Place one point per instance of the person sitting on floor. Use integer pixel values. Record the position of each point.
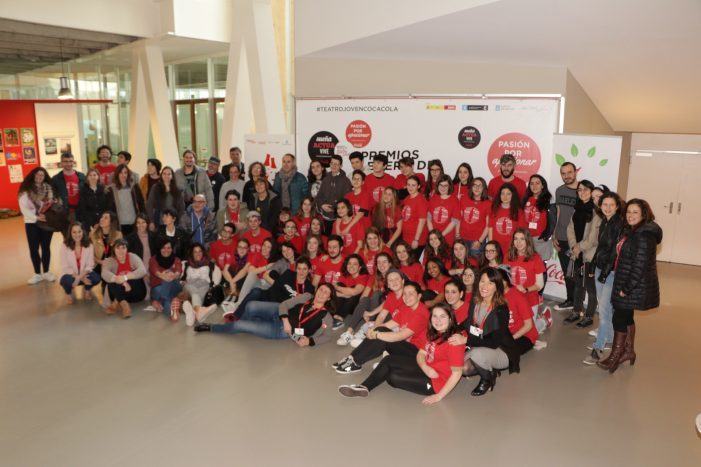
(124, 274)
(78, 261)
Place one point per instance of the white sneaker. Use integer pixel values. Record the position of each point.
(357, 340)
(540, 345)
(149, 308)
(204, 312)
(607, 346)
(35, 279)
(229, 308)
(48, 277)
(594, 333)
(344, 339)
(189, 313)
(374, 365)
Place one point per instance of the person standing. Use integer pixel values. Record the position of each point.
(536, 209)
(234, 183)
(316, 173)
(412, 224)
(635, 284)
(378, 180)
(124, 158)
(151, 178)
(334, 186)
(104, 164)
(506, 216)
(406, 169)
(255, 171)
(35, 197)
(290, 185)
(444, 210)
(126, 198)
(216, 179)
(94, 200)
(235, 155)
(507, 166)
(193, 180)
(67, 184)
(462, 182)
(266, 203)
(165, 194)
(565, 199)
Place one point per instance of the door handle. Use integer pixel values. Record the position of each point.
(679, 208)
(671, 206)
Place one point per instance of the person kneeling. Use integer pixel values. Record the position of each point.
(304, 319)
(434, 372)
(124, 274)
(78, 261)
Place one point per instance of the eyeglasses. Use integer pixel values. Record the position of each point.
(443, 185)
(489, 250)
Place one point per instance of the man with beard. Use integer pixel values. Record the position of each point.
(193, 180)
(290, 185)
(565, 199)
(329, 268)
(507, 165)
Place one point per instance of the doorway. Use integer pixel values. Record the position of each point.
(196, 127)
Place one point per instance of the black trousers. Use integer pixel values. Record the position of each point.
(401, 372)
(136, 294)
(373, 348)
(126, 229)
(39, 241)
(585, 285)
(622, 318)
(564, 259)
(346, 305)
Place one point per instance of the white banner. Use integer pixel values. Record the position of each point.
(268, 150)
(597, 159)
(476, 131)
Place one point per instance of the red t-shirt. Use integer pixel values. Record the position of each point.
(376, 185)
(442, 212)
(414, 209)
(442, 357)
(393, 304)
(315, 263)
(232, 216)
(416, 320)
(257, 260)
(351, 239)
(503, 227)
(438, 284)
(535, 219)
(525, 272)
(414, 272)
(106, 172)
(303, 224)
(496, 183)
(369, 258)
(223, 254)
(73, 189)
(361, 201)
(350, 281)
(256, 241)
(329, 271)
(473, 218)
(391, 220)
(123, 268)
(400, 181)
(462, 311)
(461, 191)
(296, 242)
(519, 312)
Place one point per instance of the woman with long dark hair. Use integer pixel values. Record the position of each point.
(435, 278)
(201, 285)
(142, 241)
(165, 194)
(304, 216)
(493, 255)
(474, 215)
(126, 198)
(635, 284)
(527, 270)
(349, 288)
(536, 204)
(437, 248)
(255, 171)
(344, 226)
(165, 269)
(506, 216)
(435, 172)
(78, 261)
(94, 200)
(412, 225)
(408, 263)
(35, 198)
(462, 181)
(315, 174)
(443, 210)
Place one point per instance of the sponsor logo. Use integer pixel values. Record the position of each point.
(505, 226)
(321, 146)
(358, 133)
(376, 193)
(440, 215)
(470, 215)
(471, 107)
(523, 148)
(469, 137)
(518, 275)
(555, 274)
(434, 107)
(406, 213)
(449, 107)
(531, 212)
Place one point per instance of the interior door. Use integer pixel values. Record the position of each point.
(687, 249)
(656, 179)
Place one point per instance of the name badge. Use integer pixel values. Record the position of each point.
(299, 331)
(475, 331)
(532, 225)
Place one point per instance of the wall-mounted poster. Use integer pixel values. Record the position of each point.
(50, 146)
(11, 136)
(15, 172)
(27, 136)
(64, 145)
(1, 141)
(12, 156)
(2, 159)
(29, 155)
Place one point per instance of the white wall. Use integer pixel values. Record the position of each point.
(581, 115)
(60, 120)
(203, 19)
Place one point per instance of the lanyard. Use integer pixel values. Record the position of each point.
(299, 288)
(303, 319)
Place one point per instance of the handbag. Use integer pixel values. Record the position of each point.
(56, 216)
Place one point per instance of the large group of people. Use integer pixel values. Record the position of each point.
(438, 277)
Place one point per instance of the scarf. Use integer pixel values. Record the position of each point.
(583, 213)
(40, 195)
(166, 262)
(286, 179)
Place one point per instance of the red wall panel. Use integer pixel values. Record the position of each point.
(15, 114)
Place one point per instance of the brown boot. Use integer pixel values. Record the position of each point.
(97, 293)
(126, 309)
(112, 309)
(629, 354)
(619, 343)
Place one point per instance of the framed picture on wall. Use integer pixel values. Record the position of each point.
(2, 159)
(11, 136)
(27, 136)
(12, 156)
(65, 145)
(50, 146)
(29, 155)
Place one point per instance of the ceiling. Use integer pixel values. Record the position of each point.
(28, 46)
(638, 60)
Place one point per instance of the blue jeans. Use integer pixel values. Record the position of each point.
(260, 319)
(475, 253)
(164, 293)
(67, 280)
(252, 296)
(605, 309)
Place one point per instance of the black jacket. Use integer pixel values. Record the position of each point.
(134, 244)
(636, 272)
(92, 204)
(59, 185)
(605, 256)
(495, 334)
(216, 180)
(285, 287)
(269, 210)
(181, 241)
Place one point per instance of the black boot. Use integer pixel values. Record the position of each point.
(585, 323)
(204, 327)
(574, 316)
(486, 381)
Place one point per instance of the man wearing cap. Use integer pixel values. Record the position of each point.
(216, 179)
(507, 166)
(255, 234)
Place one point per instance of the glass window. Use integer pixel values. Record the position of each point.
(203, 133)
(191, 81)
(220, 65)
(182, 112)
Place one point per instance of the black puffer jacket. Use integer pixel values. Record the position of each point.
(636, 272)
(605, 256)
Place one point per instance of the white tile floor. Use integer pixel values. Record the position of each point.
(78, 388)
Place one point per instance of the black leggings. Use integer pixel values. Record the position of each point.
(346, 305)
(622, 318)
(136, 294)
(39, 239)
(373, 348)
(401, 372)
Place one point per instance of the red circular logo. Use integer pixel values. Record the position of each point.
(524, 149)
(440, 215)
(358, 133)
(505, 226)
(406, 213)
(518, 275)
(470, 215)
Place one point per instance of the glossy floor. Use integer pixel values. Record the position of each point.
(78, 388)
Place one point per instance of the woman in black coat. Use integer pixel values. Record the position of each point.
(635, 284)
(94, 200)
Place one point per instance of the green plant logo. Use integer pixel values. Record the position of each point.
(574, 152)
